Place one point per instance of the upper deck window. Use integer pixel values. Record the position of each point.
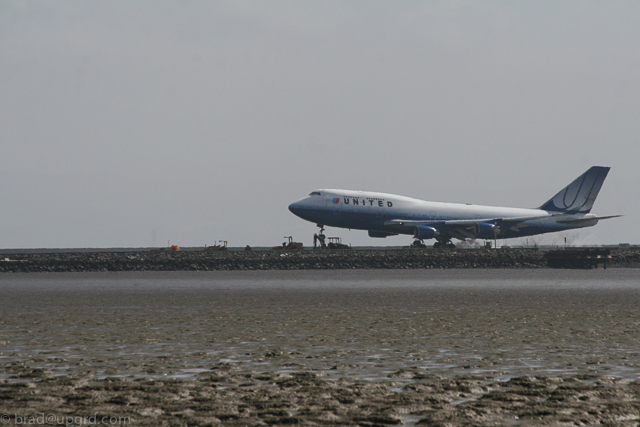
(314, 193)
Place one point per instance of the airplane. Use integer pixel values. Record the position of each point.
(384, 215)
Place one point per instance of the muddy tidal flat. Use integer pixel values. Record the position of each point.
(497, 347)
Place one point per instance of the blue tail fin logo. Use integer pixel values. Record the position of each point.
(578, 197)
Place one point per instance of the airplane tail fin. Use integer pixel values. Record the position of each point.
(578, 197)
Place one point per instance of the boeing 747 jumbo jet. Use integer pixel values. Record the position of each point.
(385, 215)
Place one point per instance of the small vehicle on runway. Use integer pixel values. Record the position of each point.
(289, 246)
(336, 243)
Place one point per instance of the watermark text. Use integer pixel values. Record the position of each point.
(43, 419)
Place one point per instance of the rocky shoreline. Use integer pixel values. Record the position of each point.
(305, 398)
(288, 260)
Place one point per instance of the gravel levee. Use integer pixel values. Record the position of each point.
(293, 260)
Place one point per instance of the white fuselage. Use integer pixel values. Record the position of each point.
(373, 211)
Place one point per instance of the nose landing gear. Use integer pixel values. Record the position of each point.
(319, 239)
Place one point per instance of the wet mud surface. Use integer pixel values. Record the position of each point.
(363, 348)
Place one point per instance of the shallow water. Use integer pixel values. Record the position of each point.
(371, 324)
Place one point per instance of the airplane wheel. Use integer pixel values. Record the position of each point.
(450, 245)
(436, 245)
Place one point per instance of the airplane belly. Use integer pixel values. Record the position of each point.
(348, 219)
(309, 214)
(331, 217)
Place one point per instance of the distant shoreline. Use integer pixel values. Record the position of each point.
(10, 251)
(292, 260)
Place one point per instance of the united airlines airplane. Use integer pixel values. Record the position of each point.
(385, 215)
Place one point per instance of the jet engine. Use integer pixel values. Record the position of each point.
(485, 230)
(374, 233)
(424, 232)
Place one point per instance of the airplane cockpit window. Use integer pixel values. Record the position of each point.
(314, 193)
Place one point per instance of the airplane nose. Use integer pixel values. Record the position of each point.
(293, 208)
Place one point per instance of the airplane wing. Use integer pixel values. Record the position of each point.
(586, 220)
(464, 222)
(466, 228)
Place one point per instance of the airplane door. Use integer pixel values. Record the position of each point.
(335, 202)
(378, 208)
(367, 207)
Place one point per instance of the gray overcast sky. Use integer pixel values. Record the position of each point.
(131, 123)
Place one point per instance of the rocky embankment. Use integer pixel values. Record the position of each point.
(305, 398)
(288, 260)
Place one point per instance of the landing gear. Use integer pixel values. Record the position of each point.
(444, 244)
(319, 238)
(418, 244)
